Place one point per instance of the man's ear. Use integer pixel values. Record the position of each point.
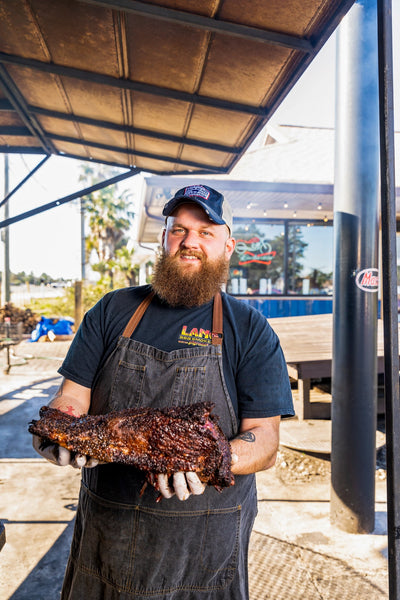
(230, 247)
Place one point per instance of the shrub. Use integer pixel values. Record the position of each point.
(64, 306)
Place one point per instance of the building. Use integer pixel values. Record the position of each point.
(281, 193)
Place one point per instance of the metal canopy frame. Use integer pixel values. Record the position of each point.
(65, 199)
(23, 181)
(127, 84)
(389, 286)
(40, 124)
(207, 23)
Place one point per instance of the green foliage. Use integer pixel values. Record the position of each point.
(64, 306)
(124, 262)
(109, 221)
(319, 279)
(22, 277)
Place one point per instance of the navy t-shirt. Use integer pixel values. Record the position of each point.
(254, 366)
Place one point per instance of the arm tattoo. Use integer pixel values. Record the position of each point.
(247, 436)
(65, 405)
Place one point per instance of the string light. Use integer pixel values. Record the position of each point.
(319, 206)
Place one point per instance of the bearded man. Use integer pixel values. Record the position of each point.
(175, 342)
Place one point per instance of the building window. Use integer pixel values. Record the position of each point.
(257, 265)
(310, 258)
(281, 258)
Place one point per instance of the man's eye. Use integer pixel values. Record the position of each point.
(206, 233)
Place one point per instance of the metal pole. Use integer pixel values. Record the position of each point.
(286, 259)
(78, 304)
(356, 231)
(389, 296)
(24, 180)
(5, 288)
(60, 201)
(83, 240)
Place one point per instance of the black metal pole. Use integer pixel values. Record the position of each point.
(24, 180)
(286, 259)
(355, 303)
(60, 201)
(389, 289)
(6, 291)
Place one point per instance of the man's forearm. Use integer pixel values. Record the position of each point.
(70, 399)
(256, 448)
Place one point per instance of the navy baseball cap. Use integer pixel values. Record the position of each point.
(211, 201)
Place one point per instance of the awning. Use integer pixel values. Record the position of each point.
(168, 87)
(250, 200)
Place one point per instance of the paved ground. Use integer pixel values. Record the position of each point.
(295, 552)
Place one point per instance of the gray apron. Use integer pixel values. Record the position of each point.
(128, 546)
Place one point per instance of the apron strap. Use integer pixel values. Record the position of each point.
(137, 315)
(217, 323)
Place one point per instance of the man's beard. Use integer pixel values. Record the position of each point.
(181, 287)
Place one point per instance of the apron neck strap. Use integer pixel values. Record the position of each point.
(137, 315)
(217, 322)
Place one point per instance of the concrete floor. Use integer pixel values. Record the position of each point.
(295, 552)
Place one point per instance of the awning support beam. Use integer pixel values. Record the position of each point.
(128, 84)
(207, 23)
(134, 130)
(135, 152)
(389, 291)
(24, 180)
(14, 96)
(69, 198)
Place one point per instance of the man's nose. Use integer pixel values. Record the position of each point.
(190, 240)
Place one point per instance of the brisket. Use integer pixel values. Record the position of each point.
(156, 441)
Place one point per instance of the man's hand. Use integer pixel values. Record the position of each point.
(73, 399)
(61, 456)
(183, 484)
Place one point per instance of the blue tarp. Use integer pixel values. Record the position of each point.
(57, 326)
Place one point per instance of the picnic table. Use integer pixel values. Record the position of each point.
(307, 345)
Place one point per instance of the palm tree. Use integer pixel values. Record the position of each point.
(109, 219)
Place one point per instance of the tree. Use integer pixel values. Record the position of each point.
(319, 279)
(109, 219)
(124, 262)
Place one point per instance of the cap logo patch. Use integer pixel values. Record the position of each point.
(197, 190)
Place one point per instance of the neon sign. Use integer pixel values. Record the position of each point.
(254, 251)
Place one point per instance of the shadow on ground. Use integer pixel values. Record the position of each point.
(45, 580)
(22, 406)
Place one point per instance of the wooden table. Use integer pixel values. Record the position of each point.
(307, 345)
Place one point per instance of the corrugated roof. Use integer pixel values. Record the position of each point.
(170, 86)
